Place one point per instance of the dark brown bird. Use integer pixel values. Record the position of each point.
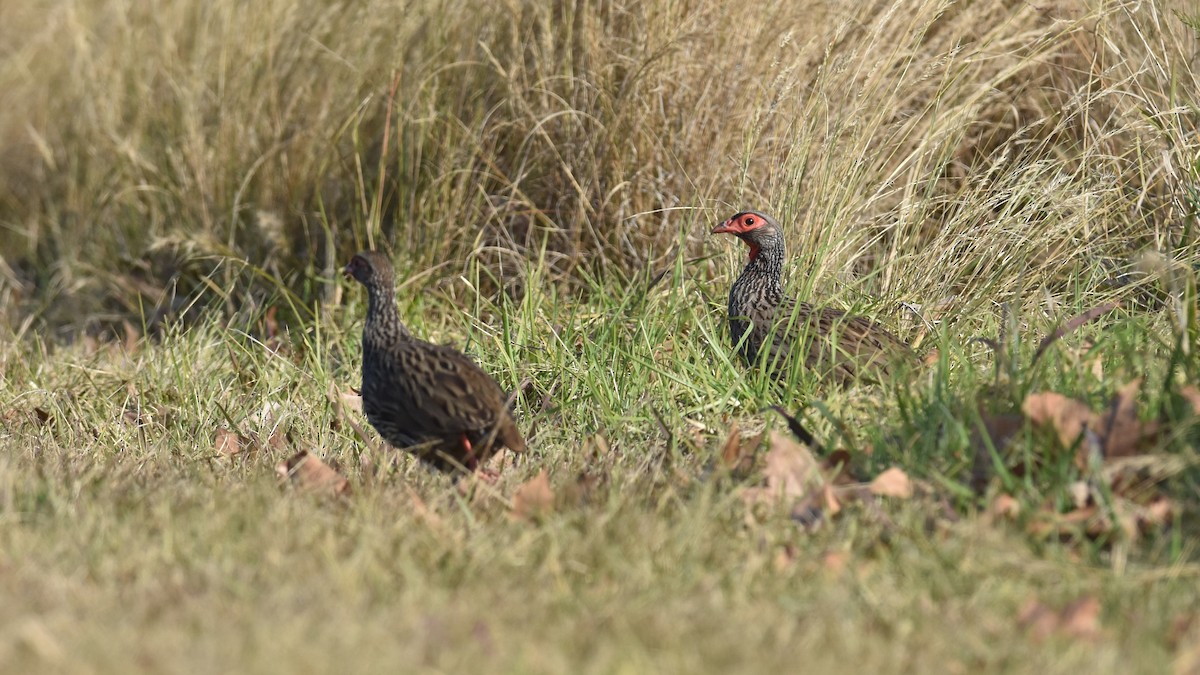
(431, 400)
(761, 317)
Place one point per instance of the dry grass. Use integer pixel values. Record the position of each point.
(1027, 145)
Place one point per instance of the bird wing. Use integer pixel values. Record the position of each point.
(832, 340)
(458, 394)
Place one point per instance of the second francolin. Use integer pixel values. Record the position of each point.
(763, 319)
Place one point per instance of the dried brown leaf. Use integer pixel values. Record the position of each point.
(737, 453)
(1124, 434)
(794, 480)
(277, 441)
(227, 443)
(1000, 430)
(1078, 620)
(271, 329)
(132, 337)
(792, 471)
(731, 448)
(892, 483)
(533, 498)
(1081, 619)
(1083, 520)
(351, 400)
(307, 472)
(1005, 506)
(1115, 433)
(133, 417)
(1159, 512)
(835, 561)
(1067, 416)
(785, 557)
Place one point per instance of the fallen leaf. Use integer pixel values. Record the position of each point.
(1086, 520)
(829, 495)
(276, 441)
(599, 446)
(731, 449)
(133, 417)
(351, 400)
(533, 498)
(1079, 620)
(835, 561)
(791, 471)
(1068, 416)
(227, 443)
(1113, 434)
(306, 471)
(1080, 493)
(271, 329)
(1158, 512)
(892, 483)
(1005, 506)
(793, 478)
(583, 489)
(1125, 434)
(39, 416)
(1000, 430)
(132, 337)
(737, 453)
(785, 557)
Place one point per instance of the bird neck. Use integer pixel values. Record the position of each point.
(766, 262)
(383, 318)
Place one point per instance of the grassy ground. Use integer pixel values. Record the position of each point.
(130, 541)
(545, 176)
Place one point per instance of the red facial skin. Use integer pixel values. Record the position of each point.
(741, 224)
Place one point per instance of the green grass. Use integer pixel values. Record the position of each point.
(128, 546)
(545, 176)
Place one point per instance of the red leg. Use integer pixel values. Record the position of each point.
(472, 461)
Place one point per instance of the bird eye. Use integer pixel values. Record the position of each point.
(750, 220)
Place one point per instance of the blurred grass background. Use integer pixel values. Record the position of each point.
(163, 155)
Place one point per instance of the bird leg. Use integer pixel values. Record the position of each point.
(472, 461)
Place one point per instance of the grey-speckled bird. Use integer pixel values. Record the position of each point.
(431, 400)
(834, 343)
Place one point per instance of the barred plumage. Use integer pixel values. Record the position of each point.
(836, 344)
(431, 400)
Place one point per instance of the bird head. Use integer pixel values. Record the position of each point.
(369, 268)
(754, 228)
